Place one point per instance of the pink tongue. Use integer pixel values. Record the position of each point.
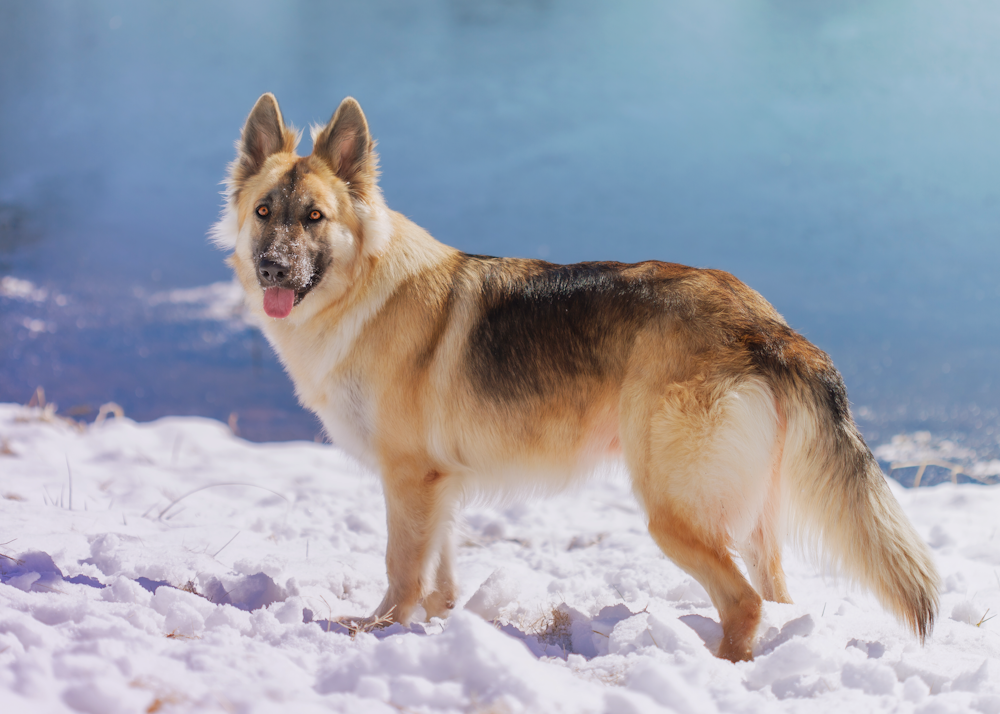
(278, 302)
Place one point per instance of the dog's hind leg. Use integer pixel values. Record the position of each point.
(762, 550)
(439, 602)
(700, 456)
(762, 555)
(419, 503)
(707, 559)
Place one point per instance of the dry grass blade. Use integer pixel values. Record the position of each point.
(111, 409)
(214, 485)
(552, 627)
(69, 473)
(38, 398)
(16, 561)
(557, 629)
(175, 635)
(216, 553)
(367, 624)
(38, 409)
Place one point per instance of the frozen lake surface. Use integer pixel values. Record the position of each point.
(841, 159)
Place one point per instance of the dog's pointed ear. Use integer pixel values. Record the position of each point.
(263, 134)
(346, 146)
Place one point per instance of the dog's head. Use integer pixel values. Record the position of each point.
(302, 228)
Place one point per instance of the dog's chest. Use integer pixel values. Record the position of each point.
(318, 358)
(348, 415)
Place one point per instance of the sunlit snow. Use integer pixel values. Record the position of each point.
(171, 566)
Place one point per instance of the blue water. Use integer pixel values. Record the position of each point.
(843, 158)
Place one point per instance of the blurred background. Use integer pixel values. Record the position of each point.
(841, 157)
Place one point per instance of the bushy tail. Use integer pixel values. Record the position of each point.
(839, 503)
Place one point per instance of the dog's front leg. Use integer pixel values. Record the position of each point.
(418, 510)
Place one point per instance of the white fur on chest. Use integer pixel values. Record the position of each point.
(317, 357)
(349, 419)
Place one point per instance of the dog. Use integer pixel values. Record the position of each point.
(452, 373)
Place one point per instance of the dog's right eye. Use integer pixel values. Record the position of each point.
(262, 211)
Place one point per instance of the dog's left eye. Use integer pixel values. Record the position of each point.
(315, 215)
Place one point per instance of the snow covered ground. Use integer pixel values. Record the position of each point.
(171, 566)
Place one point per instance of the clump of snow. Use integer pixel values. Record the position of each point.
(499, 590)
(170, 566)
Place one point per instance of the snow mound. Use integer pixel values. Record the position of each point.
(170, 566)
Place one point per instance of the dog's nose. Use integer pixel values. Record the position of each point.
(271, 272)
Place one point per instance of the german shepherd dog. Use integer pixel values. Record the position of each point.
(452, 373)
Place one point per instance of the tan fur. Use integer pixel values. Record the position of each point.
(452, 374)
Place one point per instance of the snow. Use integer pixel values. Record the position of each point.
(170, 566)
